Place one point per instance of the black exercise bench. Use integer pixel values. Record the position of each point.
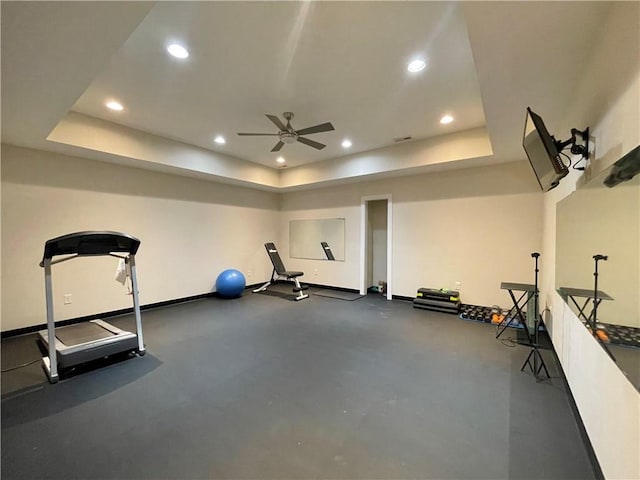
(281, 273)
(327, 251)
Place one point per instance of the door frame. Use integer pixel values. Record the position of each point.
(364, 215)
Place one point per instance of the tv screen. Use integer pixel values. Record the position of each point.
(624, 169)
(542, 152)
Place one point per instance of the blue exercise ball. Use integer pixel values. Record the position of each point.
(230, 283)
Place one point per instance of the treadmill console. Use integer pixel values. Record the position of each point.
(90, 243)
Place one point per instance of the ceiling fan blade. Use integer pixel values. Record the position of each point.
(261, 134)
(323, 127)
(276, 121)
(311, 143)
(278, 146)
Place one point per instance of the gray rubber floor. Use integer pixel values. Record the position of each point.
(262, 387)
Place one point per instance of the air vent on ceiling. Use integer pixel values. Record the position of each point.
(401, 139)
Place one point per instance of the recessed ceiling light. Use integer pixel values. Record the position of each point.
(113, 105)
(280, 160)
(220, 140)
(177, 51)
(446, 119)
(346, 143)
(416, 66)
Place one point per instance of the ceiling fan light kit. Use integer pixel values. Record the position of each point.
(287, 135)
(288, 138)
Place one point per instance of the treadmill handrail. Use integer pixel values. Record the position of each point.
(90, 243)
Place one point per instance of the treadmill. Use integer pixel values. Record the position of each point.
(83, 342)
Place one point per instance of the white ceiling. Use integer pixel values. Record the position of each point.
(338, 62)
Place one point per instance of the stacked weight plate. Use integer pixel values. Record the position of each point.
(442, 300)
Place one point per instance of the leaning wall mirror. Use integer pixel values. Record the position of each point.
(317, 239)
(598, 239)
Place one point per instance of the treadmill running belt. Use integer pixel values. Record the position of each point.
(81, 333)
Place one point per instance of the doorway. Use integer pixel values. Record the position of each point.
(375, 248)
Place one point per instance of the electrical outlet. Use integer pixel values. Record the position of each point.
(68, 298)
(249, 273)
(458, 285)
(315, 272)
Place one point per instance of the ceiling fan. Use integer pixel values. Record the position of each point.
(287, 134)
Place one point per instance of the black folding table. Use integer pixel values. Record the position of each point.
(519, 304)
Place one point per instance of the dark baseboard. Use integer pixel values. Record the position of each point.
(113, 313)
(125, 311)
(402, 297)
(329, 287)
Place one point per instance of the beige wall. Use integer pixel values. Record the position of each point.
(190, 231)
(477, 226)
(608, 100)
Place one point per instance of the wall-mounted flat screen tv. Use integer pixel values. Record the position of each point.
(624, 169)
(542, 152)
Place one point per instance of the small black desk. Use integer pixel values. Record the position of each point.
(518, 306)
(528, 291)
(572, 293)
(568, 293)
